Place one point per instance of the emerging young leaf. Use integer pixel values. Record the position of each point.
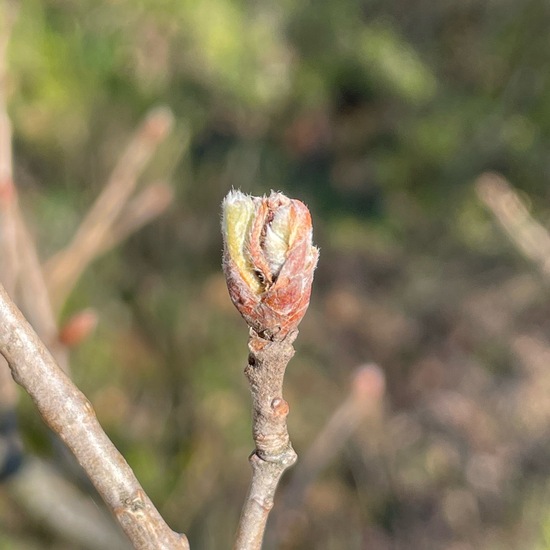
(269, 260)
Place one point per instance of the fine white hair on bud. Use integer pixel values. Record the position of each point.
(238, 211)
(276, 240)
(269, 259)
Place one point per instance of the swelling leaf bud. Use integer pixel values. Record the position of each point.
(268, 260)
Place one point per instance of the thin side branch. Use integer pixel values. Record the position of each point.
(27, 477)
(19, 259)
(69, 414)
(364, 400)
(9, 266)
(9, 259)
(53, 501)
(273, 453)
(142, 209)
(34, 297)
(66, 267)
(530, 237)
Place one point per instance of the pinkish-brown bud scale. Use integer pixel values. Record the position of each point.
(269, 260)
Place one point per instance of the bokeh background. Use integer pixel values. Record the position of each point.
(381, 116)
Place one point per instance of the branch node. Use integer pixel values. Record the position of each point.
(280, 407)
(136, 502)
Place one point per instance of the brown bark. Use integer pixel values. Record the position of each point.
(273, 453)
(68, 413)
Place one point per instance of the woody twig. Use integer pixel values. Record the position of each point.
(98, 229)
(70, 415)
(76, 517)
(530, 237)
(364, 400)
(269, 261)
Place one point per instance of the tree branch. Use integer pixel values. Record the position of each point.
(27, 477)
(68, 413)
(274, 453)
(9, 265)
(65, 268)
(364, 400)
(53, 501)
(529, 236)
(268, 262)
(143, 208)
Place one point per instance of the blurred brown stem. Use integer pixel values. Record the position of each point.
(526, 233)
(143, 208)
(66, 267)
(19, 259)
(53, 501)
(9, 259)
(34, 297)
(274, 453)
(363, 400)
(21, 273)
(9, 266)
(69, 414)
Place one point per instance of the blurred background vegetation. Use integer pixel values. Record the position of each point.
(380, 115)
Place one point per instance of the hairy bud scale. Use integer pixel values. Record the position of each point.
(269, 260)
